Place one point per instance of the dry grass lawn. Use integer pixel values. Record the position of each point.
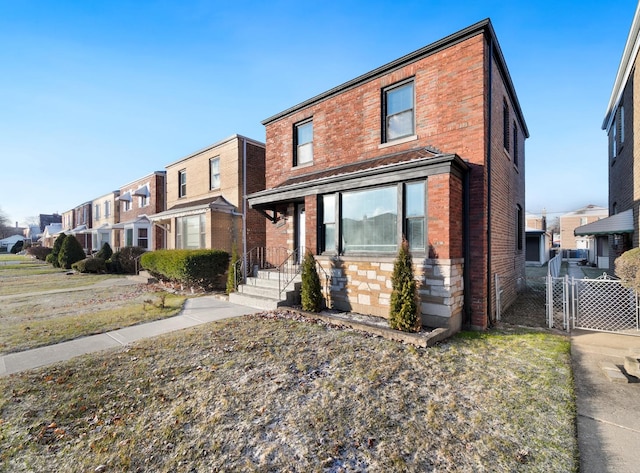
(276, 393)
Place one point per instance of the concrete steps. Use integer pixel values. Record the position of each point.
(261, 292)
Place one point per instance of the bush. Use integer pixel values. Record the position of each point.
(403, 311)
(311, 293)
(90, 265)
(234, 273)
(39, 252)
(627, 268)
(193, 267)
(124, 261)
(55, 252)
(52, 260)
(71, 252)
(105, 252)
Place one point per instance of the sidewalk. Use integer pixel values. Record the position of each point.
(197, 311)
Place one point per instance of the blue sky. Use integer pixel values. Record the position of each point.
(96, 94)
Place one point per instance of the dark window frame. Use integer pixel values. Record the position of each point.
(401, 220)
(182, 186)
(506, 123)
(384, 110)
(296, 141)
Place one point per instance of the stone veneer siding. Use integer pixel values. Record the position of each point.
(360, 285)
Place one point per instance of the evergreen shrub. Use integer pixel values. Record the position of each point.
(403, 310)
(70, 252)
(105, 252)
(56, 250)
(311, 293)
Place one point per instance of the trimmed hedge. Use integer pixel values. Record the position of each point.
(124, 261)
(192, 267)
(90, 265)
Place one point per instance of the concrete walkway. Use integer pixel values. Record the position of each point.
(197, 311)
(608, 406)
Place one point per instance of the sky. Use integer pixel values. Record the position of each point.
(96, 94)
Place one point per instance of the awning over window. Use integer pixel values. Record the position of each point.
(614, 225)
(220, 204)
(142, 191)
(126, 196)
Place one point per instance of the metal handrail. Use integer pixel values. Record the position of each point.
(327, 284)
(287, 271)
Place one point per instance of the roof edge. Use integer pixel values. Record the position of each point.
(448, 41)
(216, 144)
(624, 69)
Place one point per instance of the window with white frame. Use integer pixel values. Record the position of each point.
(398, 111)
(182, 183)
(190, 232)
(373, 220)
(107, 208)
(214, 173)
(415, 215)
(303, 143)
(96, 212)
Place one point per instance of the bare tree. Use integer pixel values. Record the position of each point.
(6, 229)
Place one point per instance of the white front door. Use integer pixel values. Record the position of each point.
(301, 232)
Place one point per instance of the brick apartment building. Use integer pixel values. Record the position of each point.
(205, 197)
(430, 147)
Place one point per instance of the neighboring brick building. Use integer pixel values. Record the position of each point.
(621, 231)
(205, 197)
(572, 220)
(81, 225)
(106, 213)
(430, 146)
(137, 201)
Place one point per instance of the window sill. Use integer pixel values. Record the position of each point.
(303, 165)
(399, 141)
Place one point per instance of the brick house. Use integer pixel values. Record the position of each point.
(105, 214)
(620, 232)
(77, 222)
(429, 146)
(205, 197)
(137, 201)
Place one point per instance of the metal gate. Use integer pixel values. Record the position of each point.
(602, 304)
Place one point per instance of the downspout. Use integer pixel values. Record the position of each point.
(244, 204)
(489, 118)
(466, 231)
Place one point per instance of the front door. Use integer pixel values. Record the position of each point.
(300, 231)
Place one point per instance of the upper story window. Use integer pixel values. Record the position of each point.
(214, 173)
(127, 204)
(303, 143)
(515, 144)
(144, 201)
(505, 124)
(398, 111)
(96, 212)
(182, 183)
(620, 126)
(107, 208)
